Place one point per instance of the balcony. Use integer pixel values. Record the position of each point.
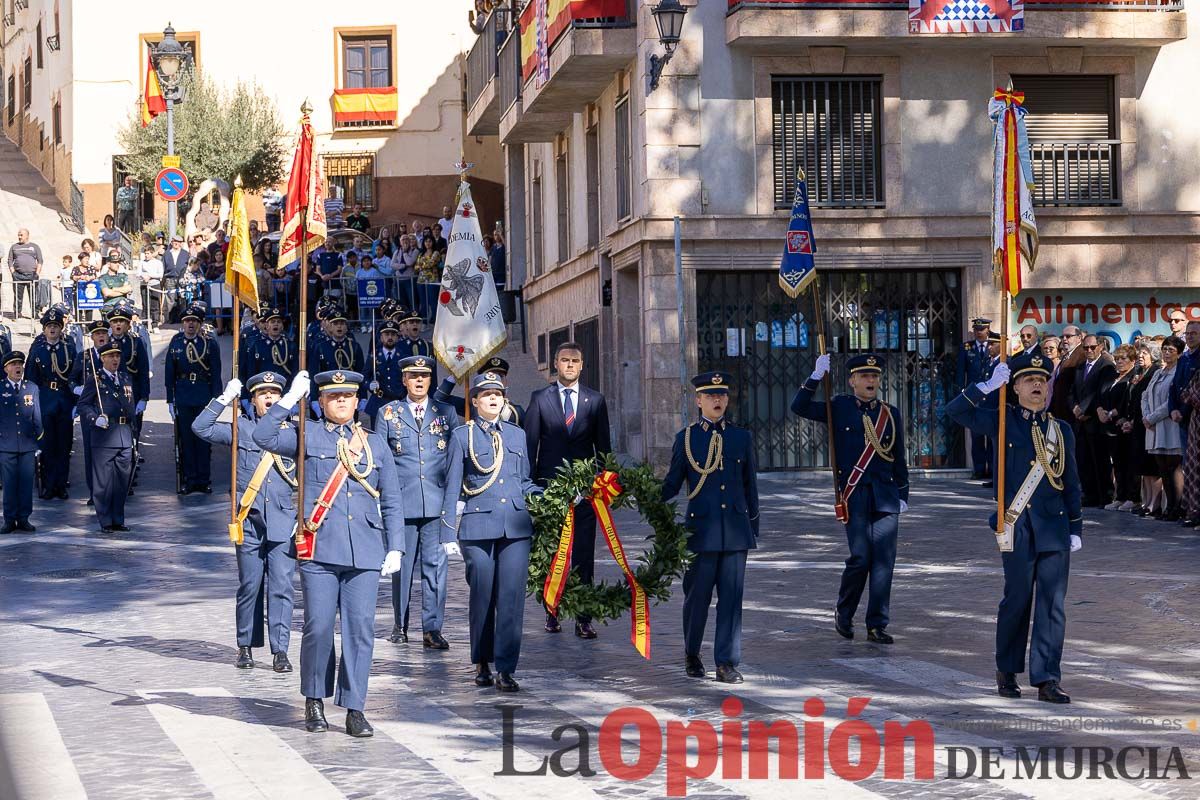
(781, 24)
(483, 106)
(1076, 173)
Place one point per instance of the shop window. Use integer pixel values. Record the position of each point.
(354, 175)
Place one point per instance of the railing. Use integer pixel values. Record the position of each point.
(1041, 5)
(481, 61)
(590, 14)
(509, 65)
(1076, 173)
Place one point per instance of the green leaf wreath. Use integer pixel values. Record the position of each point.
(655, 569)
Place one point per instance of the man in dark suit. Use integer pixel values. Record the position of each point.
(973, 360)
(1063, 377)
(175, 261)
(1092, 378)
(568, 421)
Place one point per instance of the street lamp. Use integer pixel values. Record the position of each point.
(668, 18)
(170, 60)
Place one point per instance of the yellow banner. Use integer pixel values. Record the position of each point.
(240, 277)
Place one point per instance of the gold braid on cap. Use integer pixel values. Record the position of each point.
(716, 453)
(497, 460)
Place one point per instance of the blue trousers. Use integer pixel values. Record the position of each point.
(57, 438)
(496, 572)
(16, 470)
(265, 572)
(981, 455)
(726, 571)
(112, 472)
(421, 537)
(1025, 569)
(328, 589)
(872, 538)
(86, 432)
(195, 454)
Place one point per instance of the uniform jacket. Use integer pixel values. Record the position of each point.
(386, 370)
(723, 516)
(420, 453)
(359, 529)
(274, 509)
(973, 361)
(1054, 514)
(116, 400)
(886, 480)
(329, 354)
(265, 354)
(512, 413)
(500, 511)
(414, 347)
(188, 382)
(20, 417)
(135, 361)
(550, 443)
(51, 367)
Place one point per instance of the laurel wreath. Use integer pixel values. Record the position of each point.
(659, 565)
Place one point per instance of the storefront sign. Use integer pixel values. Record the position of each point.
(1119, 314)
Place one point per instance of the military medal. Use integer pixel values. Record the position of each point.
(441, 445)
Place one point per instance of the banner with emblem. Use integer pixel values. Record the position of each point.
(797, 268)
(966, 16)
(1014, 228)
(469, 328)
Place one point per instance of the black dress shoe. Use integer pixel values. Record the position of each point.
(1006, 684)
(280, 663)
(844, 629)
(63, 494)
(988, 484)
(584, 630)
(398, 635)
(1049, 692)
(23, 525)
(879, 636)
(120, 527)
(244, 660)
(9, 527)
(505, 682)
(552, 625)
(694, 667)
(727, 673)
(483, 675)
(357, 725)
(314, 715)
(106, 529)
(433, 640)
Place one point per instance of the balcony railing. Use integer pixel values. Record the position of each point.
(508, 64)
(574, 14)
(1076, 173)
(1041, 5)
(481, 61)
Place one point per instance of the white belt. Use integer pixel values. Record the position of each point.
(1025, 493)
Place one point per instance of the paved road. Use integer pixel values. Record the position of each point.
(117, 677)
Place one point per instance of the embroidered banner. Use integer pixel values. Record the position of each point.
(966, 16)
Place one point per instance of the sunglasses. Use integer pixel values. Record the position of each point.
(1090, 346)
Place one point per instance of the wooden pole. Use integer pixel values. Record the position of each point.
(819, 319)
(233, 460)
(999, 449)
(303, 360)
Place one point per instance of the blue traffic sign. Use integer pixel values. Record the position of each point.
(171, 184)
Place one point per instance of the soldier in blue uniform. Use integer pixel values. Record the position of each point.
(355, 513)
(270, 350)
(510, 412)
(193, 378)
(338, 351)
(5, 338)
(106, 407)
(973, 361)
(20, 438)
(266, 554)
(84, 370)
(318, 329)
(722, 522)
(991, 401)
(411, 343)
(417, 430)
(872, 479)
(385, 378)
(51, 363)
(488, 477)
(1044, 522)
(136, 362)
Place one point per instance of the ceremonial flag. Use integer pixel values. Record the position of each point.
(469, 328)
(240, 278)
(153, 102)
(1014, 229)
(305, 191)
(797, 269)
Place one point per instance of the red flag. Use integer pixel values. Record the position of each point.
(153, 102)
(305, 191)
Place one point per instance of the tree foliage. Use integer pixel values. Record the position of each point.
(219, 133)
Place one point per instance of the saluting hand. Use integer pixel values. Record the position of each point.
(1000, 376)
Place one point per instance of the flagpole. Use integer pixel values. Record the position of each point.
(303, 360)
(819, 318)
(233, 461)
(1000, 448)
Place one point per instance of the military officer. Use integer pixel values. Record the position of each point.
(872, 479)
(266, 553)
(417, 430)
(270, 349)
(51, 363)
(318, 329)
(411, 342)
(722, 521)
(193, 378)
(973, 360)
(107, 406)
(84, 371)
(488, 477)
(135, 361)
(337, 351)
(510, 412)
(994, 344)
(1043, 522)
(20, 438)
(386, 382)
(355, 520)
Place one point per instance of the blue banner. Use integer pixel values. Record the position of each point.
(371, 292)
(796, 268)
(87, 296)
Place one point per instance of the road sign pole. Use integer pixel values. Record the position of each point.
(171, 151)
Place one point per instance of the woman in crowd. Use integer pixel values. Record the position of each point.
(1050, 349)
(1190, 395)
(191, 285)
(1144, 463)
(429, 276)
(498, 257)
(1113, 412)
(110, 236)
(1163, 436)
(88, 250)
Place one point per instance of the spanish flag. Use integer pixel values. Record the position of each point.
(240, 278)
(364, 105)
(153, 102)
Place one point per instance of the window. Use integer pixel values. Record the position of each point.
(39, 44)
(366, 62)
(592, 143)
(57, 121)
(354, 175)
(562, 188)
(830, 128)
(535, 219)
(1074, 148)
(27, 84)
(12, 98)
(624, 160)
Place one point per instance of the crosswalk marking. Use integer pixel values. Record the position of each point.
(37, 756)
(234, 758)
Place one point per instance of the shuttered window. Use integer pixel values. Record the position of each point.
(1074, 146)
(624, 159)
(563, 196)
(830, 128)
(354, 175)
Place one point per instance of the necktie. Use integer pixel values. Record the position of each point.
(420, 415)
(568, 408)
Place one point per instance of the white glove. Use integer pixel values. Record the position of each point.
(78, 390)
(102, 421)
(1076, 543)
(231, 392)
(297, 391)
(373, 387)
(171, 410)
(391, 563)
(903, 506)
(822, 368)
(459, 507)
(451, 548)
(999, 378)
(316, 408)
(140, 407)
